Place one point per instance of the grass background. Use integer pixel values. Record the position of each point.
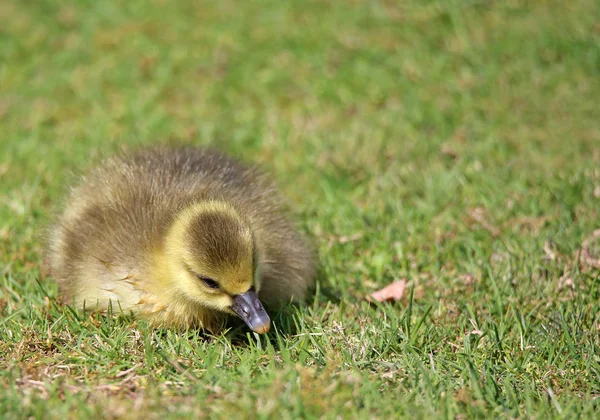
(452, 143)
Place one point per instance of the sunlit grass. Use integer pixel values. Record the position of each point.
(455, 144)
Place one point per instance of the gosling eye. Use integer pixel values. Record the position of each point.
(210, 283)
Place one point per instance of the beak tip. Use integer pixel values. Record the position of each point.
(249, 308)
(263, 329)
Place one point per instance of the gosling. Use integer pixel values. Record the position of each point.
(182, 237)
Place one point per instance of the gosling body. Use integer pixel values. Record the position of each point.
(181, 237)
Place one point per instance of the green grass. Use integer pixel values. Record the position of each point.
(452, 143)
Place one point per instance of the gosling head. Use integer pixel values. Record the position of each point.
(212, 261)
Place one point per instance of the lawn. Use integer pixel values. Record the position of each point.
(454, 144)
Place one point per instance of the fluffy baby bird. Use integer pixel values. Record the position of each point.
(183, 237)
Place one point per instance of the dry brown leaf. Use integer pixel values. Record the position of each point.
(587, 260)
(566, 282)
(392, 292)
(549, 250)
(479, 215)
(468, 279)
